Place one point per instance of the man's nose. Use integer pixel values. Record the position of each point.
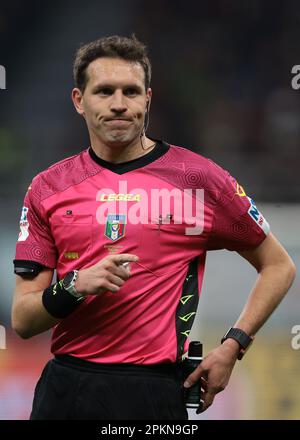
(118, 102)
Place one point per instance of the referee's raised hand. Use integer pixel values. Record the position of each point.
(109, 274)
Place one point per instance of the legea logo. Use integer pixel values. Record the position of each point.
(2, 338)
(2, 78)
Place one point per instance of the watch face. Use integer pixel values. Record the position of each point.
(68, 278)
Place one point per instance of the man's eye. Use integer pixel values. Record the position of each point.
(130, 91)
(105, 91)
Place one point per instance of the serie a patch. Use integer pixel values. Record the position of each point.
(24, 224)
(256, 215)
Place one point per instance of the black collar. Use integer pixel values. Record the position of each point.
(124, 167)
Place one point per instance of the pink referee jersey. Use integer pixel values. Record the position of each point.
(169, 207)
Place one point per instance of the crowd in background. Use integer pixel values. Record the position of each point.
(221, 84)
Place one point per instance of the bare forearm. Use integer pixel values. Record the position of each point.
(272, 284)
(29, 316)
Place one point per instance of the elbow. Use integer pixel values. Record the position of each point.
(288, 271)
(23, 333)
(20, 328)
(291, 271)
(284, 269)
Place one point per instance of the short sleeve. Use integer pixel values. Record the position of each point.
(237, 223)
(35, 242)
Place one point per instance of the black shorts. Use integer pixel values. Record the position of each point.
(74, 389)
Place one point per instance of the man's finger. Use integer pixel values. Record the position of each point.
(115, 280)
(205, 402)
(204, 384)
(121, 271)
(127, 267)
(124, 258)
(200, 407)
(194, 377)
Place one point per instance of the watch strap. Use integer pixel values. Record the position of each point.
(243, 339)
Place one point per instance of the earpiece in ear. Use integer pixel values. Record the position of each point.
(146, 120)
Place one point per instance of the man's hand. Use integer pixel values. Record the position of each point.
(276, 272)
(214, 372)
(107, 275)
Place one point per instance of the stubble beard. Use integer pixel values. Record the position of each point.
(118, 138)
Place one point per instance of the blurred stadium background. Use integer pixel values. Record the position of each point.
(222, 87)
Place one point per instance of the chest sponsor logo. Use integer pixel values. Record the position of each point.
(115, 226)
(258, 217)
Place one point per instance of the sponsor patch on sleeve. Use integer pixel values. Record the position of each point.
(258, 217)
(24, 225)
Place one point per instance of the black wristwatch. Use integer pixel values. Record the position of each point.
(69, 284)
(241, 337)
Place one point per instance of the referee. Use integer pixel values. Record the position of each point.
(117, 223)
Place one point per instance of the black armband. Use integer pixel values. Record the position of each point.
(27, 269)
(58, 301)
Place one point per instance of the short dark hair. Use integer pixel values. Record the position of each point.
(114, 46)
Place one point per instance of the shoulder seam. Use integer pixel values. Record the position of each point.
(66, 159)
(42, 178)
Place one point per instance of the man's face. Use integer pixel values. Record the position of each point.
(114, 100)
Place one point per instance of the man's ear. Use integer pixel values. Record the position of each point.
(77, 98)
(148, 103)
